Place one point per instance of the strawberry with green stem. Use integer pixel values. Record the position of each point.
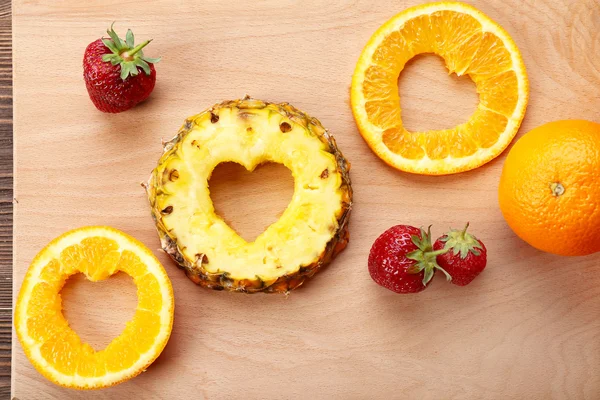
(117, 74)
(465, 256)
(403, 260)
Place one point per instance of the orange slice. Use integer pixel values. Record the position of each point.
(54, 348)
(470, 43)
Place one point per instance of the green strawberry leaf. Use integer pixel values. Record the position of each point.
(415, 269)
(151, 60)
(428, 275)
(448, 276)
(121, 45)
(144, 66)
(129, 39)
(111, 45)
(112, 58)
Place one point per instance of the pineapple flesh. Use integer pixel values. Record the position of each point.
(312, 230)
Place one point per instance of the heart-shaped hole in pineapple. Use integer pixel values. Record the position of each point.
(98, 311)
(251, 201)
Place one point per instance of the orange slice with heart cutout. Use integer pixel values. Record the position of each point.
(471, 44)
(54, 348)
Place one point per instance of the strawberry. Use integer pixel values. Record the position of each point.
(403, 260)
(117, 74)
(465, 255)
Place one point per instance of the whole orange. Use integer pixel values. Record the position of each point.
(550, 188)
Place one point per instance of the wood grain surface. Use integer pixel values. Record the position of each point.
(6, 196)
(527, 328)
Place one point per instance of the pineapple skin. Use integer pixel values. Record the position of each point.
(222, 281)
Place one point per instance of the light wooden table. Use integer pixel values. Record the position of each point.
(527, 328)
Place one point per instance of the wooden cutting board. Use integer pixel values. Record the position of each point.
(527, 328)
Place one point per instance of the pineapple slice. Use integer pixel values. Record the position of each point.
(310, 233)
